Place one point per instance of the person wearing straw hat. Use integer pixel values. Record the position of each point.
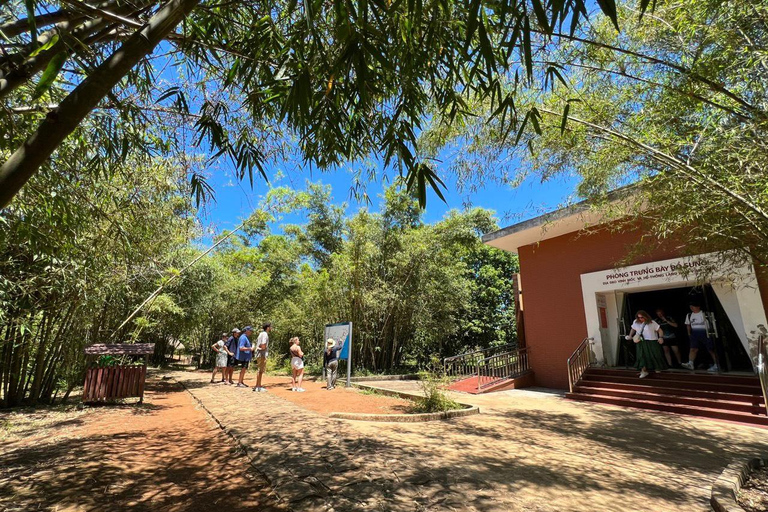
(331, 362)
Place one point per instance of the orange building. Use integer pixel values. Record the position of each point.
(577, 283)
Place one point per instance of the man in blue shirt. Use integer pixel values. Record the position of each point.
(244, 354)
(232, 343)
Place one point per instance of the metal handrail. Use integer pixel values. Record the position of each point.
(465, 365)
(501, 366)
(580, 360)
(762, 368)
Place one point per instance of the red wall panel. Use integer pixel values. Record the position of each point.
(551, 272)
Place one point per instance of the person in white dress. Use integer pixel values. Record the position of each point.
(648, 338)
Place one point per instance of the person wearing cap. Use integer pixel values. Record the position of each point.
(331, 362)
(222, 353)
(232, 348)
(262, 351)
(244, 354)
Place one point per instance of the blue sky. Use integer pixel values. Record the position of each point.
(235, 199)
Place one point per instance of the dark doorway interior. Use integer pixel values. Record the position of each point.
(674, 302)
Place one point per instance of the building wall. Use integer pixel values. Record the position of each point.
(550, 274)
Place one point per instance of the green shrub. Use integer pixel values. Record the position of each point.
(435, 399)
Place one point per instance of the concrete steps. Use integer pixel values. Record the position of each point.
(726, 397)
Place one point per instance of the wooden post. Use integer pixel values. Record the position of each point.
(143, 377)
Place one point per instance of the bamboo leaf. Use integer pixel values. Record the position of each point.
(609, 9)
(527, 51)
(50, 74)
(30, 4)
(52, 41)
(541, 15)
(644, 6)
(565, 118)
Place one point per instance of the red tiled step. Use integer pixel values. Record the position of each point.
(705, 412)
(749, 398)
(753, 405)
(713, 384)
(681, 375)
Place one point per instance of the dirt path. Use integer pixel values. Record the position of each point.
(527, 451)
(166, 455)
(316, 398)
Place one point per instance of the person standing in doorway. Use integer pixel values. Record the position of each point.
(231, 361)
(698, 331)
(220, 347)
(262, 351)
(244, 354)
(297, 365)
(648, 338)
(668, 327)
(331, 362)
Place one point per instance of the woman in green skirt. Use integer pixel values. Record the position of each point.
(648, 338)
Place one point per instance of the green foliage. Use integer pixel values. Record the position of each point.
(77, 254)
(345, 79)
(107, 361)
(413, 291)
(435, 398)
(675, 102)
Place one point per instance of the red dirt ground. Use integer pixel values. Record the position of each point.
(316, 398)
(165, 455)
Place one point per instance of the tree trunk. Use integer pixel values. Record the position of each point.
(26, 160)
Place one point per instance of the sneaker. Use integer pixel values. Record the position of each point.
(714, 368)
(260, 390)
(293, 389)
(239, 385)
(300, 390)
(688, 365)
(644, 375)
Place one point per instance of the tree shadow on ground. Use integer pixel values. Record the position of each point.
(592, 458)
(126, 467)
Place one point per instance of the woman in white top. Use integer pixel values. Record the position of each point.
(648, 338)
(297, 365)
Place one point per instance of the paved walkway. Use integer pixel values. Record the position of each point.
(529, 451)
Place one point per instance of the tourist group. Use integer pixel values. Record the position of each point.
(236, 349)
(650, 335)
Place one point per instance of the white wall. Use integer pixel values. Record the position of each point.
(736, 288)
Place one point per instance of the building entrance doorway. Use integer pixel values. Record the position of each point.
(675, 304)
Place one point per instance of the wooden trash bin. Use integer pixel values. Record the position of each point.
(114, 382)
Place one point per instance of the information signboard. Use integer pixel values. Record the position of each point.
(342, 335)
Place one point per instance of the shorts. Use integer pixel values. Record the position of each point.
(699, 338)
(297, 363)
(261, 364)
(231, 361)
(244, 364)
(670, 342)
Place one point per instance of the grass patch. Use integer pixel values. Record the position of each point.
(371, 392)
